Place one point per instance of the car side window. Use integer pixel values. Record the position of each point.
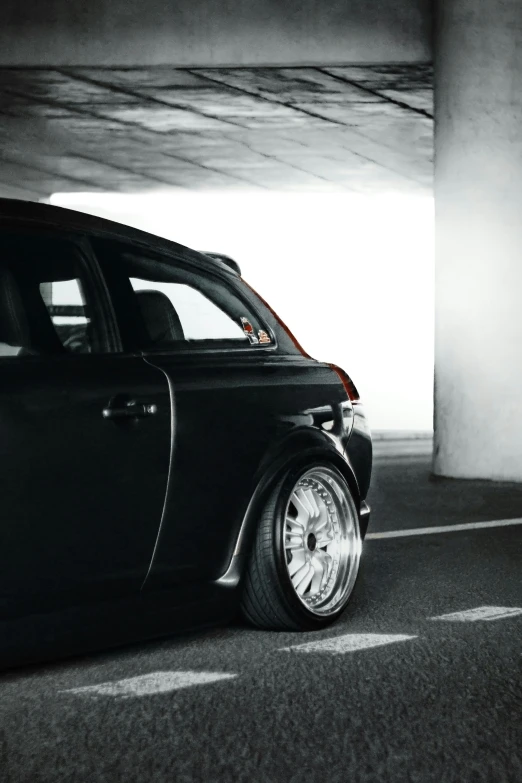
(46, 298)
(67, 308)
(177, 307)
(199, 318)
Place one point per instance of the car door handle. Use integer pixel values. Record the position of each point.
(130, 410)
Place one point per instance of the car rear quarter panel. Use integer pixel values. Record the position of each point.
(233, 421)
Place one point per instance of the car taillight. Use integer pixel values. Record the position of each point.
(280, 322)
(347, 382)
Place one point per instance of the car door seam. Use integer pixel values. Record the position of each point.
(169, 477)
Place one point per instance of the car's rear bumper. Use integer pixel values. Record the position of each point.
(364, 517)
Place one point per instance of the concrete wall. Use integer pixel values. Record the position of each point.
(212, 33)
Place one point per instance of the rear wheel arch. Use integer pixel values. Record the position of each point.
(280, 468)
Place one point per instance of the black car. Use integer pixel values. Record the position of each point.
(169, 453)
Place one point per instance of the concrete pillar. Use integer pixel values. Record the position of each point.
(478, 196)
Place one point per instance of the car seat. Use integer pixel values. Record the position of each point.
(159, 317)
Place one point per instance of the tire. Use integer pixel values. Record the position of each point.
(309, 520)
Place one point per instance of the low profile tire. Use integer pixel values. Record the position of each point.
(305, 557)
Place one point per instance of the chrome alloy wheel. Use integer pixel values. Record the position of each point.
(322, 541)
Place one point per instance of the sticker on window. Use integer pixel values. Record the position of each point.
(263, 337)
(249, 331)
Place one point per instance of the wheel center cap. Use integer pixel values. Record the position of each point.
(311, 542)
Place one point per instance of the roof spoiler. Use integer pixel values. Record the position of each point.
(224, 259)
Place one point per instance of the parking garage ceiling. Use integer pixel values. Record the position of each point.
(351, 128)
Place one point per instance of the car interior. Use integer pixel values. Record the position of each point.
(30, 322)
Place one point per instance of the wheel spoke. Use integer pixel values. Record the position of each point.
(302, 496)
(295, 523)
(303, 513)
(305, 580)
(326, 560)
(323, 520)
(297, 562)
(310, 496)
(294, 538)
(317, 581)
(299, 572)
(331, 546)
(325, 540)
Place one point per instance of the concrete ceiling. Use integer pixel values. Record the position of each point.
(351, 128)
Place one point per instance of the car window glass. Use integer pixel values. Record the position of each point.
(45, 298)
(200, 318)
(66, 305)
(166, 304)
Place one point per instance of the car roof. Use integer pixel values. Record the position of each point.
(63, 218)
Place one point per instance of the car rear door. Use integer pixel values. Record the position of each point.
(85, 432)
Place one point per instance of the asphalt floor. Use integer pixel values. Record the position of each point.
(389, 694)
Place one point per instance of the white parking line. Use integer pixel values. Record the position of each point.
(150, 684)
(486, 613)
(424, 531)
(350, 642)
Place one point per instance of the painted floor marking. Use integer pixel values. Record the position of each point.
(481, 613)
(151, 684)
(350, 642)
(424, 531)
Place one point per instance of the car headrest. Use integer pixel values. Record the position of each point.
(159, 316)
(14, 321)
